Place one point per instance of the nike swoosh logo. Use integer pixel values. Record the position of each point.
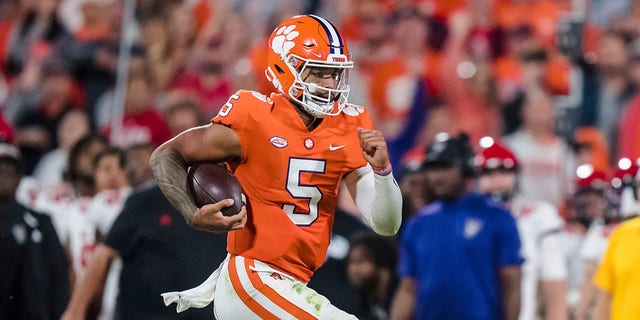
(316, 54)
(332, 148)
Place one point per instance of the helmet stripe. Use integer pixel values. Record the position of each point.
(335, 41)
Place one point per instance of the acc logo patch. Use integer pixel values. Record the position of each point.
(471, 227)
(278, 141)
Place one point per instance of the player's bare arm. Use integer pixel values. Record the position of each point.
(169, 162)
(373, 187)
(403, 304)
(510, 284)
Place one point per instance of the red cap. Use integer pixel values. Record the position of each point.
(625, 173)
(587, 177)
(494, 155)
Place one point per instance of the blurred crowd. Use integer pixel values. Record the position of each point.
(89, 89)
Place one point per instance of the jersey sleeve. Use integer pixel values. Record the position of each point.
(364, 117)
(548, 218)
(95, 213)
(406, 257)
(508, 241)
(594, 244)
(552, 259)
(235, 113)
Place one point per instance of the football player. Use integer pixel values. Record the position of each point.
(539, 226)
(290, 150)
(619, 204)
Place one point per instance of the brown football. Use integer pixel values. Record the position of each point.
(210, 183)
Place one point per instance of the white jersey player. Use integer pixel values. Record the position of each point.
(625, 206)
(56, 201)
(106, 205)
(103, 211)
(539, 226)
(82, 235)
(588, 208)
(68, 213)
(28, 191)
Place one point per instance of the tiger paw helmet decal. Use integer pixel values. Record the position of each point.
(281, 43)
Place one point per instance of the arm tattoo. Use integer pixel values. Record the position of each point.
(170, 171)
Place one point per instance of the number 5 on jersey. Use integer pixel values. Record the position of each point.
(301, 191)
(227, 106)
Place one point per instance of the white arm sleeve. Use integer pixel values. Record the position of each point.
(378, 198)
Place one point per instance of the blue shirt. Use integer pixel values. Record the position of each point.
(454, 251)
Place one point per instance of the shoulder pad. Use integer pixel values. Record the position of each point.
(250, 94)
(353, 109)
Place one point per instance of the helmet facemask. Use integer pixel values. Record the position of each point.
(317, 100)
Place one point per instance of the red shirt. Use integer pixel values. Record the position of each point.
(211, 98)
(147, 126)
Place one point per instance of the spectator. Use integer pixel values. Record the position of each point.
(95, 63)
(628, 144)
(409, 71)
(98, 216)
(540, 15)
(370, 30)
(169, 34)
(112, 188)
(546, 159)
(36, 32)
(34, 282)
(82, 221)
(544, 273)
(10, 13)
(532, 69)
(181, 114)
(614, 88)
(508, 71)
(36, 128)
(590, 147)
(459, 255)
(371, 268)
(50, 168)
(58, 200)
(95, 16)
(142, 123)
(205, 78)
(467, 84)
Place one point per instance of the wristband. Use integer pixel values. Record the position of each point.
(382, 172)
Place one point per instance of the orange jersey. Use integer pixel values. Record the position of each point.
(290, 177)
